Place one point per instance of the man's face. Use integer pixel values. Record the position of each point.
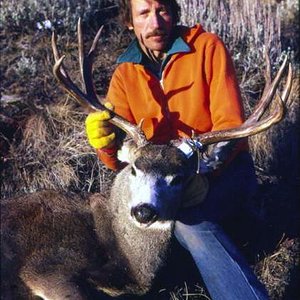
(152, 23)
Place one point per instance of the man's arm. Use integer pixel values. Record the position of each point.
(108, 144)
(225, 105)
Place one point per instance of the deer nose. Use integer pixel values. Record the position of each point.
(144, 213)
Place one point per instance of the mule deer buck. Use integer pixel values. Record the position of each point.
(52, 242)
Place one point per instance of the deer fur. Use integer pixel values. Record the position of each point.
(53, 242)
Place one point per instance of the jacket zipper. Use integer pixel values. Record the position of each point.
(161, 81)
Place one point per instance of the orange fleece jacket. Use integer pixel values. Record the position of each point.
(198, 92)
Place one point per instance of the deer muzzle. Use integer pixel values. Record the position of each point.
(144, 213)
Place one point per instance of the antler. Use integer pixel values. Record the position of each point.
(88, 98)
(254, 124)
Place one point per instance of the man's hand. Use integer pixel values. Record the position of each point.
(99, 131)
(217, 156)
(212, 160)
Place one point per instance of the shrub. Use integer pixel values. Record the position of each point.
(30, 15)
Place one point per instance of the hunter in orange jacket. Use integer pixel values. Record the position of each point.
(181, 80)
(195, 90)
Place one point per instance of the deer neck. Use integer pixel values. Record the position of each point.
(145, 248)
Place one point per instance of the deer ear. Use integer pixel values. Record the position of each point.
(128, 152)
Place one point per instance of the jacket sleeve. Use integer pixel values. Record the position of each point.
(117, 97)
(225, 98)
(110, 159)
(226, 105)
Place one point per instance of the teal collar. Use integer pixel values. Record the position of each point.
(135, 55)
(132, 54)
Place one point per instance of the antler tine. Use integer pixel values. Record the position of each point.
(54, 47)
(288, 87)
(254, 125)
(269, 90)
(86, 62)
(57, 56)
(80, 47)
(268, 72)
(89, 99)
(63, 78)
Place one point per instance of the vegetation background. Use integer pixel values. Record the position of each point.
(43, 143)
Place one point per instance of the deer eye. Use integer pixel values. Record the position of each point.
(133, 171)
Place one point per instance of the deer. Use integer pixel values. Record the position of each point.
(53, 242)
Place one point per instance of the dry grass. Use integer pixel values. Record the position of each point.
(275, 270)
(186, 292)
(53, 153)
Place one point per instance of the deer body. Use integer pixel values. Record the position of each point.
(42, 233)
(54, 242)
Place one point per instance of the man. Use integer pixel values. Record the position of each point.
(181, 80)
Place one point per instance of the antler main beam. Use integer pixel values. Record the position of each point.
(254, 124)
(88, 98)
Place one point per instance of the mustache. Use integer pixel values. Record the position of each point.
(155, 32)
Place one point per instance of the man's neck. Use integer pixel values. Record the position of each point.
(156, 67)
(156, 57)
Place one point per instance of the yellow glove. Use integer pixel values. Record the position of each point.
(99, 131)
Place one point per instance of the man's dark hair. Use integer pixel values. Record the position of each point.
(125, 10)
